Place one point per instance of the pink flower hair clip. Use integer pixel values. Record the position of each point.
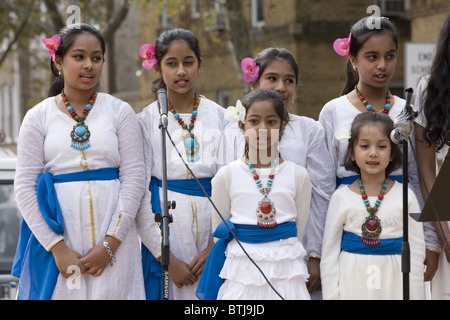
(147, 52)
(250, 69)
(52, 45)
(342, 45)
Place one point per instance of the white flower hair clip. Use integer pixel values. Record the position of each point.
(235, 114)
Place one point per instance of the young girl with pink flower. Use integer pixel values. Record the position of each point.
(302, 142)
(79, 181)
(372, 58)
(195, 124)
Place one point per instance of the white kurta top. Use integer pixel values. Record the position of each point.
(91, 209)
(191, 227)
(303, 142)
(350, 276)
(237, 196)
(440, 288)
(337, 117)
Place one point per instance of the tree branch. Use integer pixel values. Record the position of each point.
(17, 33)
(116, 20)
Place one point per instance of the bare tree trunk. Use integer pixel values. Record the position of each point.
(239, 37)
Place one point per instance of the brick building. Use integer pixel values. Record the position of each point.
(427, 17)
(306, 28)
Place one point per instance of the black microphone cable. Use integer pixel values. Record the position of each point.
(223, 219)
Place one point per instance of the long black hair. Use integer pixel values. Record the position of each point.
(163, 44)
(436, 99)
(361, 32)
(68, 36)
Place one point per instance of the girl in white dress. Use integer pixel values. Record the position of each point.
(372, 58)
(265, 200)
(195, 124)
(432, 140)
(86, 246)
(302, 143)
(363, 233)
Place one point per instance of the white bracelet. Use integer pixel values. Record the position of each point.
(111, 255)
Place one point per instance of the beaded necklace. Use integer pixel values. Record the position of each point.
(371, 228)
(80, 133)
(190, 142)
(369, 107)
(266, 210)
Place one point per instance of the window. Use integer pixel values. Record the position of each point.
(393, 8)
(165, 19)
(258, 13)
(214, 18)
(195, 11)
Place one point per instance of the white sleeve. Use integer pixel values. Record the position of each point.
(326, 119)
(220, 195)
(331, 249)
(322, 175)
(418, 103)
(417, 250)
(148, 229)
(132, 176)
(302, 199)
(30, 162)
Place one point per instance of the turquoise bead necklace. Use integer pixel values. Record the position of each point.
(190, 142)
(369, 107)
(80, 133)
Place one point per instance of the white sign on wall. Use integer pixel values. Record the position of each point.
(418, 59)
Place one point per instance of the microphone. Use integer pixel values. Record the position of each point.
(163, 106)
(403, 123)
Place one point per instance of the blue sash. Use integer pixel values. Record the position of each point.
(352, 243)
(34, 265)
(210, 281)
(351, 179)
(152, 268)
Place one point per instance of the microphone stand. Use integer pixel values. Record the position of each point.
(164, 218)
(403, 125)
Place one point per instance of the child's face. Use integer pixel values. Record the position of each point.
(372, 150)
(262, 128)
(376, 61)
(83, 63)
(179, 68)
(279, 76)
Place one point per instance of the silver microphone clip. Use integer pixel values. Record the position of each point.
(404, 122)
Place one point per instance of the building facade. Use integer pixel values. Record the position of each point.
(306, 28)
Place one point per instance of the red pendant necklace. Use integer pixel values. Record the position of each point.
(266, 210)
(371, 228)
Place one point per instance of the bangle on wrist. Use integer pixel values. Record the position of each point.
(112, 259)
(445, 244)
